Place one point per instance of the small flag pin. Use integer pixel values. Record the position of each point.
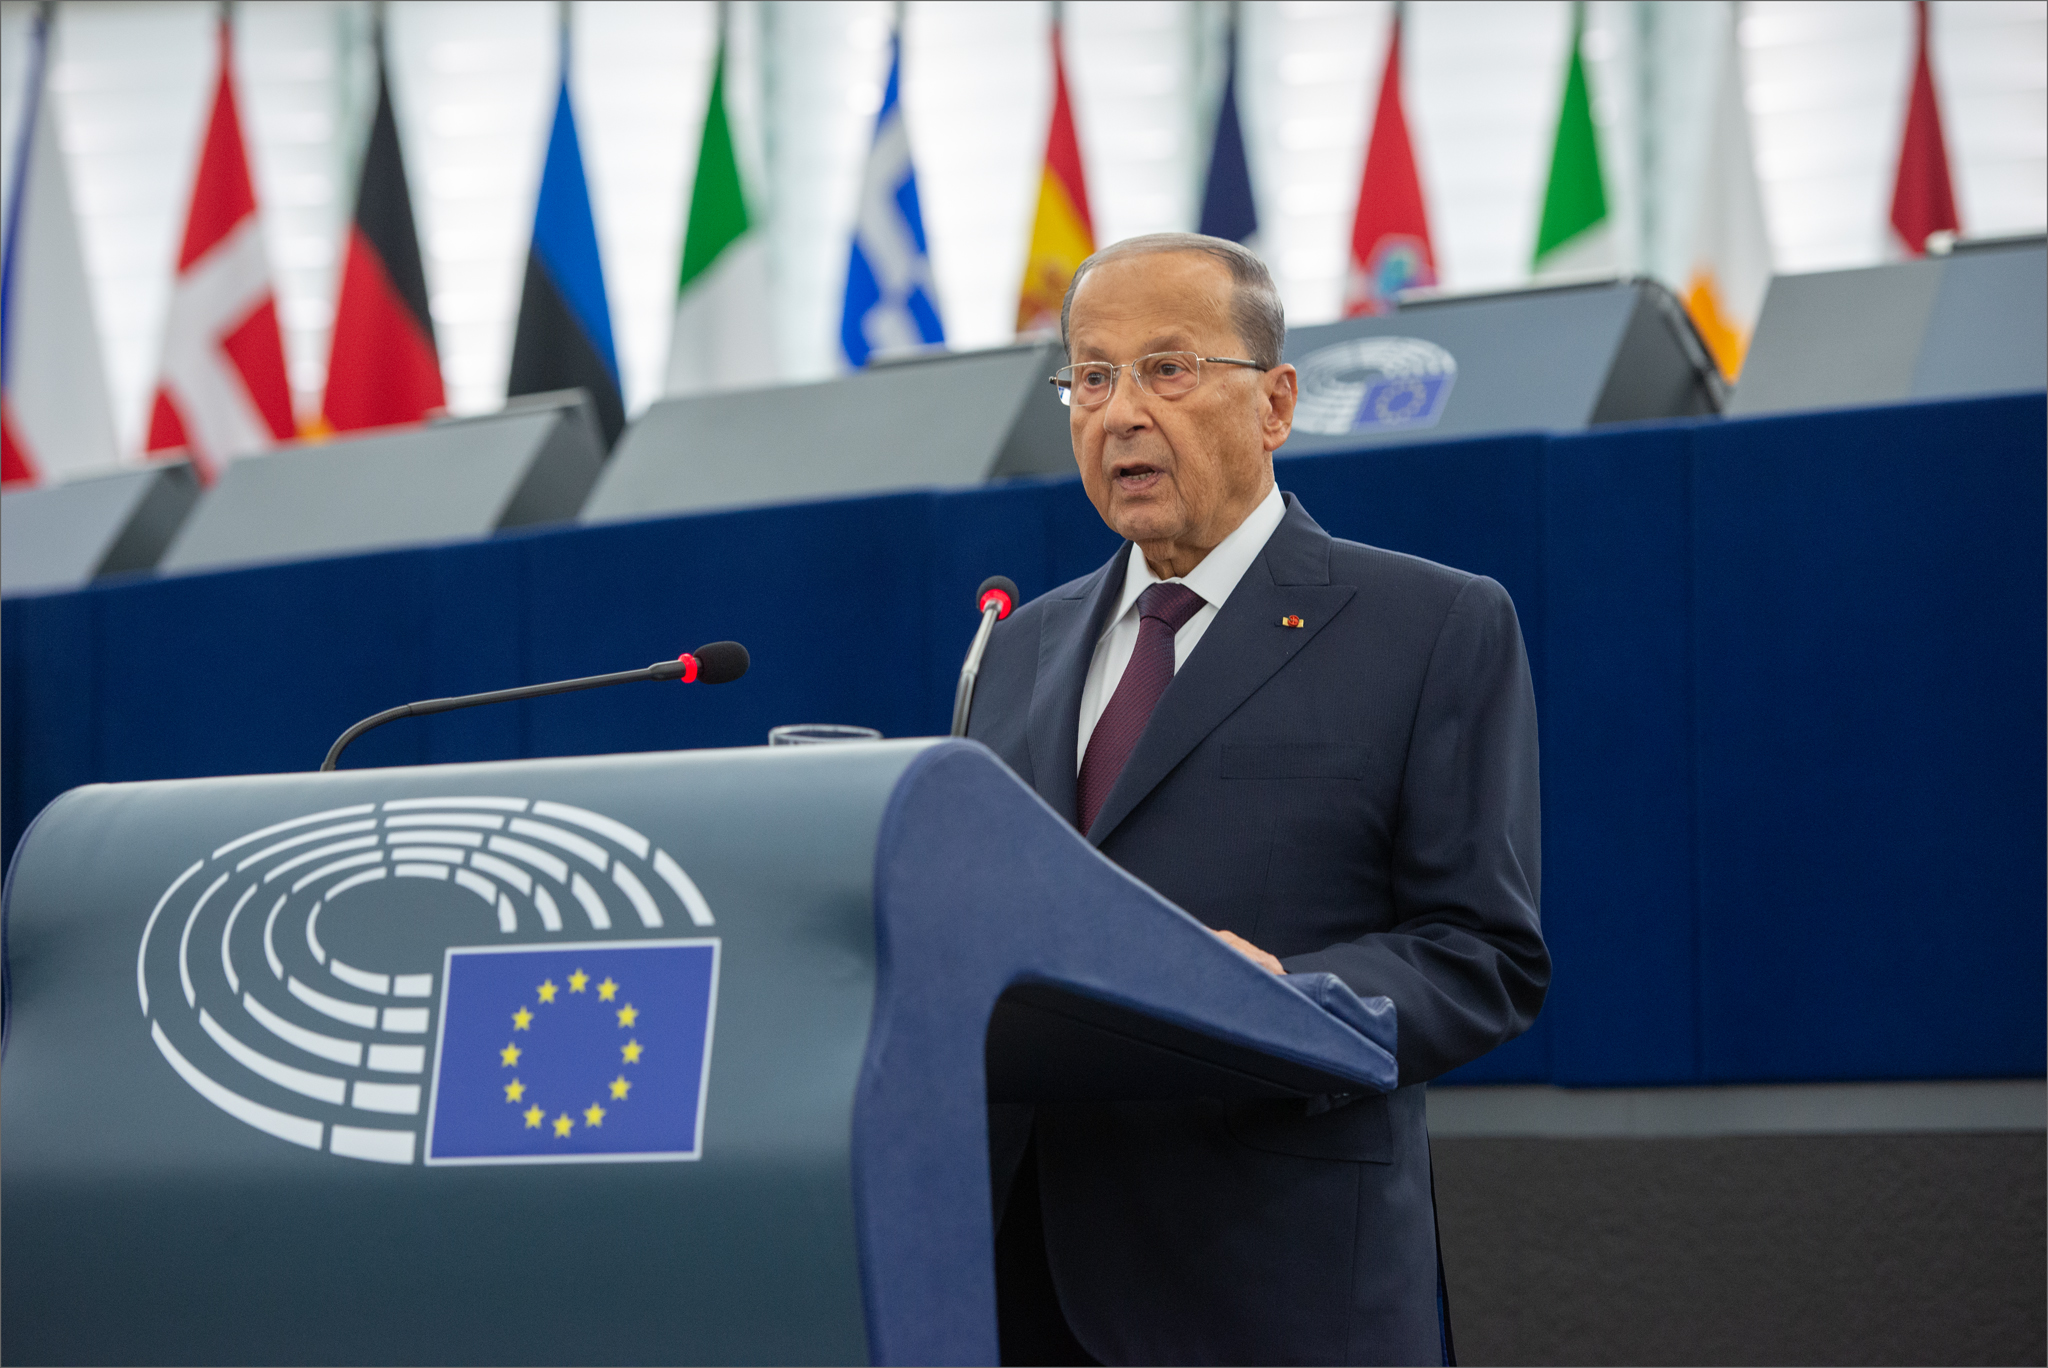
(1291, 620)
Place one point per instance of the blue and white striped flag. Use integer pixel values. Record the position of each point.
(891, 303)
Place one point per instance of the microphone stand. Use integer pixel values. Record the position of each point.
(997, 597)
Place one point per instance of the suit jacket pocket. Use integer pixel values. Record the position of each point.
(1308, 760)
(1356, 1130)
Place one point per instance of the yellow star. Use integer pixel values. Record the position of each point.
(563, 1125)
(577, 980)
(606, 989)
(593, 1115)
(534, 1115)
(547, 990)
(521, 1019)
(515, 1091)
(628, 1014)
(620, 1087)
(631, 1050)
(509, 1055)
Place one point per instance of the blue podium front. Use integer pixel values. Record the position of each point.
(652, 1058)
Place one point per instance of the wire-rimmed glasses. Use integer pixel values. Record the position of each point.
(1168, 375)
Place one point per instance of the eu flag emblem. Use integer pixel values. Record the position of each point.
(573, 1053)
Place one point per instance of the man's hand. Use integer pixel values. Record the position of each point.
(1250, 952)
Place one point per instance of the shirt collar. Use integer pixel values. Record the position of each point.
(1219, 571)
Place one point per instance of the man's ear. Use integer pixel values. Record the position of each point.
(1282, 388)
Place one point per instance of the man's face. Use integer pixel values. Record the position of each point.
(1174, 475)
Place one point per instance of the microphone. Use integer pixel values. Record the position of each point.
(721, 662)
(997, 599)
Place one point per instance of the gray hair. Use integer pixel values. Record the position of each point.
(1254, 304)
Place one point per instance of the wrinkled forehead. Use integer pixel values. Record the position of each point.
(1154, 301)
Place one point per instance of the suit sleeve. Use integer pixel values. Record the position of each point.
(1465, 962)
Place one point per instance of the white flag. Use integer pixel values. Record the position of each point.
(1731, 253)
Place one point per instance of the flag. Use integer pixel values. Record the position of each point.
(1731, 251)
(223, 392)
(564, 337)
(1390, 249)
(54, 416)
(1229, 209)
(1923, 201)
(892, 304)
(580, 1052)
(1063, 232)
(723, 337)
(383, 367)
(1575, 233)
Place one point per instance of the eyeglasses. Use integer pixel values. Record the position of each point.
(1168, 375)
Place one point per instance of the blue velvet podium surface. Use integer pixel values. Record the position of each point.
(657, 1058)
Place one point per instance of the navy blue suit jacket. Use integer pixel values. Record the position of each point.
(1356, 795)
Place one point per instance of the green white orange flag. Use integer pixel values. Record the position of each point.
(1731, 253)
(723, 336)
(1063, 234)
(1576, 233)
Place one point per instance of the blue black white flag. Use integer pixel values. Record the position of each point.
(573, 1053)
(891, 302)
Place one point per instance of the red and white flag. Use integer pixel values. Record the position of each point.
(223, 391)
(1923, 200)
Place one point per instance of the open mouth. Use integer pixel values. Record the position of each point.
(1135, 476)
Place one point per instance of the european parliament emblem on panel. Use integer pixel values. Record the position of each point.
(583, 1053)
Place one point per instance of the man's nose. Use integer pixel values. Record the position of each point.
(1126, 411)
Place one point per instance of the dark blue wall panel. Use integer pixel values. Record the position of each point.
(1789, 673)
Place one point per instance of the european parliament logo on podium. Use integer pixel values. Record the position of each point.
(568, 1054)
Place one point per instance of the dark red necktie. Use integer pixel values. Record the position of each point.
(1163, 609)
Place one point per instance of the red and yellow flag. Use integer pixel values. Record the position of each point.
(1063, 234)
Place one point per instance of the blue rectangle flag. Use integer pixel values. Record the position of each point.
(573, 1053)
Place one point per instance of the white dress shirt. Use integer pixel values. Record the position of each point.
(1212, 580)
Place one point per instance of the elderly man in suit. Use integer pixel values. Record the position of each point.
(1324, 751)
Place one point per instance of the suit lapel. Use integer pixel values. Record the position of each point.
(1066, 647)
(1243, 648)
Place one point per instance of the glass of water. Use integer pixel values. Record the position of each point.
(819, 734)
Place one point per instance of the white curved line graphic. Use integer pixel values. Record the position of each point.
(550, 915)
(346, 1052)
(597, 822)
(366, 1142)
(454, 819)
(312, 938)
(554, 868)
(356, 811)
(685, 888)
(593, 905)
(269, 948)
(508, 920)
(462, 838)
(505, 870)
(413, 985)
(227, 932)
(349, 1013)
(501, 804)
(479, 885)
(399, 1058)
(354, 881)
(395, 1099)
(142, 951)
(422, 871)
(636, 894)
(318, 853)
(336, 866)
(185, 938)
(340, 829)
(360, 978)
(283, 1125)
(590, 850)
(319, 1087)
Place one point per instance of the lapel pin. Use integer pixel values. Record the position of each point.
(1291, 620)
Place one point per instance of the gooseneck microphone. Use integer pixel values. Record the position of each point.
(996, 599)
(718, 663)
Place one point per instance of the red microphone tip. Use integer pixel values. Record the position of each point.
(689, 667)
(1003, 603)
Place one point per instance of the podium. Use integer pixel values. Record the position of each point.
(642, 1058)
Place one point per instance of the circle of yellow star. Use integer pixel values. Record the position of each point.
(593, 1115)
(631, 1050)
(606, 990)
(521, 1019)
(534, 1116)
(620, 1087)
(577, 980)
(547, 990)
(509, 1055)
(628, 1014)
(515, 1091)
(563, 1125)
